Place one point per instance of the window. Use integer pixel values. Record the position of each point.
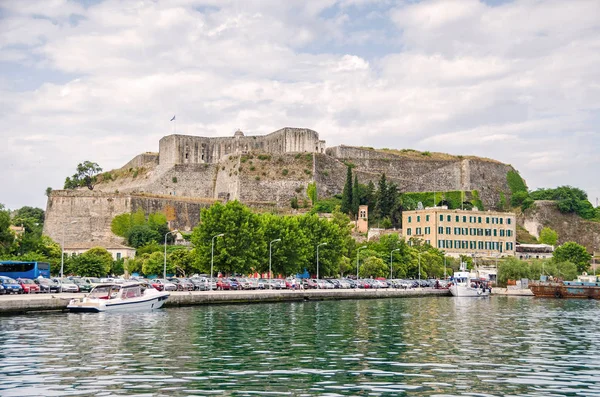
(441, 230)
(409, 219)
(508, 221)
(457, 218)
(428, 242)
(408, 231)
(487, 219)
(480, 232)
(465, 218)
(501, 220)
(418, 218)
(427, 218)
(440, 244)
(448, 218)
(427, 230)
(448, 230)
(501, 232)
(480, 245)
(418, 231)
(488, 232)
(441, 218)
(509, 233)
(118, 255)
(495, 232)
(449, 243)
(457, 230)
(479, 220)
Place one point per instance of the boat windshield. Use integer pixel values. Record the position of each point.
(131, 292)
(104, 292)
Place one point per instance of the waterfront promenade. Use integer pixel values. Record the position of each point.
(58, 302)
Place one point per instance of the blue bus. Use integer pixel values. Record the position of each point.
(32, 270)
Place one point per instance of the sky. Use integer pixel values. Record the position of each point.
(517, 81)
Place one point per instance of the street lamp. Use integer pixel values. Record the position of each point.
(318, 259)
(212, 256)
(165, 258)
(62, 255)
(391, 267)
(419, 269)
(270, 249)
(357, 253)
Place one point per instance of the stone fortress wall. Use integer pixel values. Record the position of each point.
(185, 149)
(191, 172)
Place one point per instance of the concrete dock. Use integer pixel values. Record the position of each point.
(14, 304)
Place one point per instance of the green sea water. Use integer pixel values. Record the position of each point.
(390, 347)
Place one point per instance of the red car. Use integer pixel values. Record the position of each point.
(28, 285)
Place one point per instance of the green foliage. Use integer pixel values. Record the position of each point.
(386, 223)
(347, 192)
(264, 157)
(524, 237)
(311, 192)
(140, 235)
(326, 205)
(174, 179)
(512, 269)
(515, 182)
(426, 153)
(517, 198)
(121, 224)
(48, 191)
(502, 204)
(6, 236)
(95, 262)
(548, 236)
(355, 196)
(569, 200)
(284, 171)
(294, 203)
(373, 267)
(515, 269)
(150, 248)
(86, 175)
(573, 253)
(183, 262)
(153, 264)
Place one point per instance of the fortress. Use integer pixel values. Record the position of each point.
(191, 172)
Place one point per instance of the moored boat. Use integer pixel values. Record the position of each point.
(565, 289)
(119, 297)
(465, 284)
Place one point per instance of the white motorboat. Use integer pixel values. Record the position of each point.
(466, 284)
(111, 297)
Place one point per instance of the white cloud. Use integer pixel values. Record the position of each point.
(518, 82)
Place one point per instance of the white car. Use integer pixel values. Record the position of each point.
(66, 285)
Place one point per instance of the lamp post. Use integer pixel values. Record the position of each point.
(165, 257)
(212, 257)
(357, 253)
(391, 267)
(318, 259)
(419, 269)
(62, 255)
(445, 267)
(270, 250)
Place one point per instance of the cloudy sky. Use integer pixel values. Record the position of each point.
(518, 81)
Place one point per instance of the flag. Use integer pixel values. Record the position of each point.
(172, 118)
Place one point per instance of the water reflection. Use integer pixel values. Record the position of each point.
(418, 347)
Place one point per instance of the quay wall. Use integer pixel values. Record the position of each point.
(15, 304)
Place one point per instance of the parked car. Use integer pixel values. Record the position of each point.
(166, 285)
(47, 285)
(28, 285)
(84, 286)
(2, 290)
(11, 286)
(182, 284)
(243, 283)
(66, 285)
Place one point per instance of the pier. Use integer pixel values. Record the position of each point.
(14, 304)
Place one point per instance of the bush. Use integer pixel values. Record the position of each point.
(284, 172)
(518, 198)
(294, 202)
(174, 179)
(515, 182)
(264, 157)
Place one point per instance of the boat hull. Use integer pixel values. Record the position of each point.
(566, 289)
(466, 291)
(101, 305)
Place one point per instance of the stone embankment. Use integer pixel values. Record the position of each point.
(12, 304)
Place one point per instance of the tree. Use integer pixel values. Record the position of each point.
(369, 197)
(548, 236)
(574, 253)
(154, 264)
(140, 235)
(373, 267)
(95, 262)
(311, 192)
(85, 176)
(182, 261)
(355, 196)
(242, 248)
(48, 191)
(347, 193)
(6, 235)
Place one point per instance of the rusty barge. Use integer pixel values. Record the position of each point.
(565, 289)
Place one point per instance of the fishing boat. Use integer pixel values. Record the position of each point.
(580, 289)
(119, 297)
(465, 284)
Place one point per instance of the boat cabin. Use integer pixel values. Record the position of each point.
(114, 291)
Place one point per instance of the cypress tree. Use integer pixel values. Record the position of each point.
(382, 204)
(347, 193)
(355, 196)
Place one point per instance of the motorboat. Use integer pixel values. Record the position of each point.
(466, 284)
(111, 297)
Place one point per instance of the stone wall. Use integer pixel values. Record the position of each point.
(91, 211)
(142, 160)
(570, 227)
(185, 149)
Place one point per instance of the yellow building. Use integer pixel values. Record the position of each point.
(460, 232)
